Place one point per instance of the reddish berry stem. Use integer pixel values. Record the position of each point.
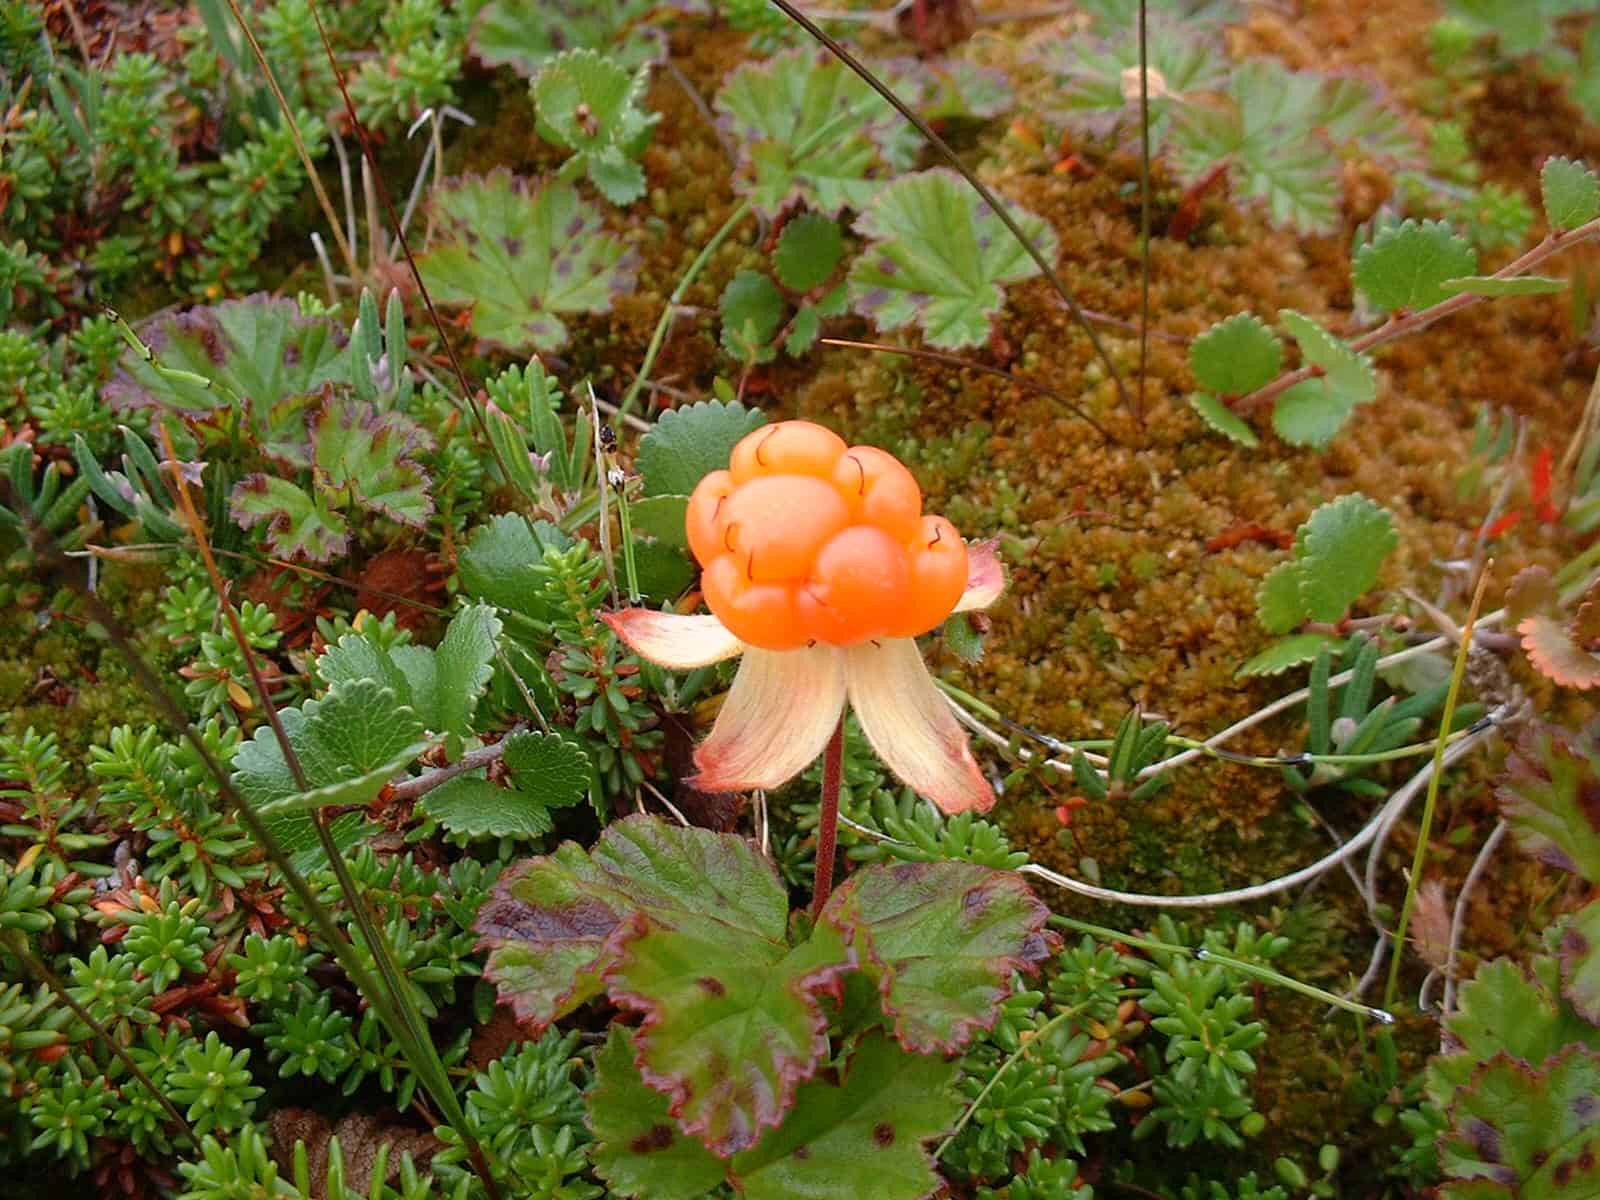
(828, 818)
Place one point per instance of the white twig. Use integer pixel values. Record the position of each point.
(762, 823)
(1458, 919)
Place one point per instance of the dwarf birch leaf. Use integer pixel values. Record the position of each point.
(1527, 1132)
(1571, 193)
(1223, 419)
(1551, 797)
(803, 123)
(592, 106)
(1310, 413)
(1340, 549)
(938, 258)
(521, 254)
(640, 1150)
(1405, 266)
(1236, 356)
(349, 743)
(942, 940)
(808, 253)
(446, 683)
(548, 767)
(525, 34)
(687, 444)
(1516, 285)
(752, 309)
(1580, 962)
(299, 524)
(1278, 602)
(1291, 652)
(865, 1136)
(501, 563)
(471, 805)
(259, 349)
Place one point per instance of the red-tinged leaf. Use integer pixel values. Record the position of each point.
(1580, 962)
(555, 924)
(941, 940)
(1527, 1132)
(641, 1150)
(1541, 475)
(1551, 798)
(1555, 655)
(732, 1024)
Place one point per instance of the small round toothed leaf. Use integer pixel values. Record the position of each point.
(1405, 266)
(686, 444)
(1571, 193)
(809, 250)
(1340, 549)
(1291, 652)
(1223, 419)
(752, 309)
(1234, 357)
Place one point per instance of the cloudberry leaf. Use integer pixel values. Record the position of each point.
(1522, 1132)
(1506, 1008)
(804, 124)
(942, 941)
(938, 258)
(686, 444)
(349, 743)
(592, 106)
(1405, 266)
(1580, 962)
(863, 1136)
(1291, 652)
(1311, 412)
(641, 1151)
(259, 348)
(689, 928)
(1517, 285)
(1571, 193)
(1236, 356)
(299, 524)
(522, 254)
(1340, 549)
(808, 253)
(752, 310)
(1551, 797)
(525, 34)
(372, 454)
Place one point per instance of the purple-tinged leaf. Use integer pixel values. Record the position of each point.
(1580, 962)
(1551, 797)
(299, 524)
(942, 941)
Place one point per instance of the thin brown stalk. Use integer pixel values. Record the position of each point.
(299, 143)
(998, 206)
(828, 819)
(1403, 323)
(1144, 207)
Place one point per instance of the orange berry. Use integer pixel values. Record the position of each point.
(938, 577)
(860, 580)
(787, 448)
(880, 491)
(703, 520)
(776, 524)
(758, 614)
